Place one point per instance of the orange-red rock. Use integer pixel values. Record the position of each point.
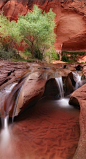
(70, 19)
(79, 98)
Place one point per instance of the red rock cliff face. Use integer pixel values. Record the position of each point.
(70, 19)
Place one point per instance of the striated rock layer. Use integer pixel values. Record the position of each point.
(56, 130)
(79, 98)
(33, 81)
(70, 19)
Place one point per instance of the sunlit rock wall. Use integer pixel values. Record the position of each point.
(70, 19)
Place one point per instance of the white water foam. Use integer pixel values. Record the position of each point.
(9, 88)
(77, 79)
(60, 86)
(64, 103)
(5, 136)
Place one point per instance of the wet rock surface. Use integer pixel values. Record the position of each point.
(36, 81)
(44, 131)
(84, 70)
(11, 71)
(79, 98)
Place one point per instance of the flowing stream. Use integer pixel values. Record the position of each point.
(60, 86)
(5, 133)
(6, 149)
(4, 119)
(63, 102)
(77, 79)
(49, 130)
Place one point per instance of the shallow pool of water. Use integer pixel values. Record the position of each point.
(50, 130)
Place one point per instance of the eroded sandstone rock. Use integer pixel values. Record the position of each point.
(30, 92)
(70, 19)
(12, 71)
(34, 81)
(79, 98)
(36, 85)
(84, 71)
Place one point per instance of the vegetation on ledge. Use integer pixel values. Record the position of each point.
(71, 56)
(34, 31)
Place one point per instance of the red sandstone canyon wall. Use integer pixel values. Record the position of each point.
(70, 19)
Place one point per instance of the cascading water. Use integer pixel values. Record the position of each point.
(5, 132)
(4, 94)
(5, 117)
(15, 105)
(5, 137)
(62, 102)
(6, 122)
(7, 142)
(77, 79)
(8, 89)
(65, 101)
(60, 86)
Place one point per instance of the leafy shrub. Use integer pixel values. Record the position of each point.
(27, 53)
(73, 53)
(71, 56)
(65, 58)
(51, 54)
(54, 55)
(8, 54)
(38, 55)
(9, 38)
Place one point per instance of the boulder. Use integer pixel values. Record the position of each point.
(70, 75)
(84, 71)
(12, 71)
(68, 87)
(30, 91)
(51, 89)
(32, 87)
(74, 101)
(78, 98)
(79, 68)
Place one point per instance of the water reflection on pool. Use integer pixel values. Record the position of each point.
(50, 130)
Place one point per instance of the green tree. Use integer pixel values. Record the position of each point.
(37, 30)
(9, 34)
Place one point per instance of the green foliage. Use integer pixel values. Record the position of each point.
(65, 58)
(54, 55)
(71, 56)
(27, 53)
(51, 54)
(9, 38)
(37, 55)
(74, 53)
(8, 54)
(9, 33)
(37, 30)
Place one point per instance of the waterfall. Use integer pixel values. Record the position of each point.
(6, 122)
(3, 95)
(62, 102)
(9, 88)
(15, 105)
(5, 132)
(77, 79)
(60, 86)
